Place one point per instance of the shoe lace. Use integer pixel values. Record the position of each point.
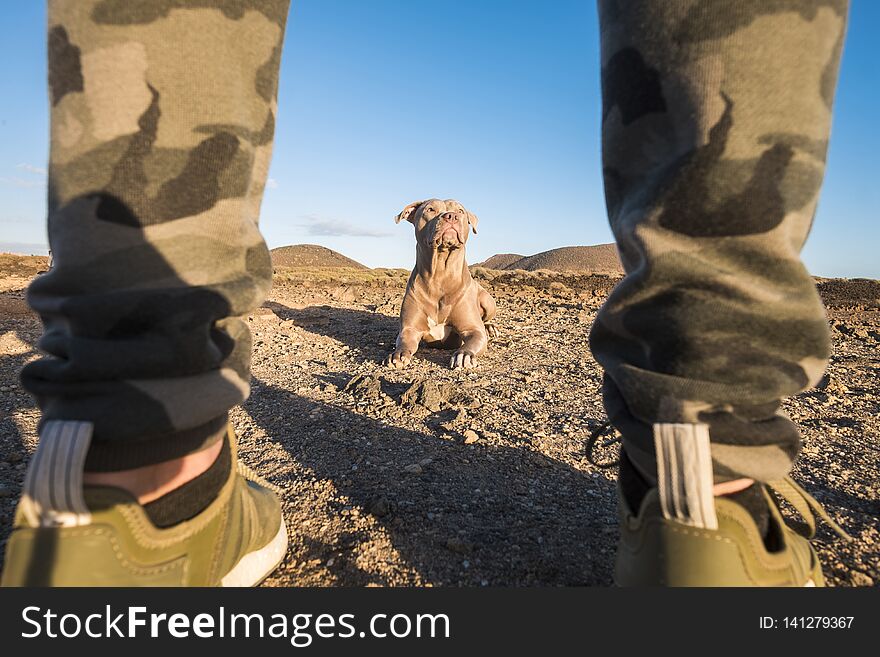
(250, 475)
(806, 506)
(593, 440)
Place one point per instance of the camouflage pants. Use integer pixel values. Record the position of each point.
(715, 126)
(162, 117)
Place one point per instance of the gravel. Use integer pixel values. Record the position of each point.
(432, 477)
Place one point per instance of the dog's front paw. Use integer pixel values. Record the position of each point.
(462, 359)
(398, 359)
(491, 330)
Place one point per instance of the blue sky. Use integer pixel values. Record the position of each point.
(502, 115)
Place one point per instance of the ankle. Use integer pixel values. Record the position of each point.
(731, 487)
(150, 482)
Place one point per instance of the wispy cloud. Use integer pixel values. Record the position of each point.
(21, 183)
(329, 227)
(35, 179)
(30, 168)
(271, 183)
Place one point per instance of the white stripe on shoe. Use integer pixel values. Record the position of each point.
(684, 474)
(53, 487)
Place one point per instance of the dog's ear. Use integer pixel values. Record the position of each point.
(472, 220)
(406, 213)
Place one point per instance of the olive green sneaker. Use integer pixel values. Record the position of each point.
(67, 534)
(658, 551)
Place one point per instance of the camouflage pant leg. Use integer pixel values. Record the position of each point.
(162, 117)
(715, 127)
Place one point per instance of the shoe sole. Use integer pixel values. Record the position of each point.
(256, 566)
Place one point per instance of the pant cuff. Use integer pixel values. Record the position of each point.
(110, 456)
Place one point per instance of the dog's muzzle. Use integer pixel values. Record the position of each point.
(448, 231)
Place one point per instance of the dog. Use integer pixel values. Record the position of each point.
(442, 306)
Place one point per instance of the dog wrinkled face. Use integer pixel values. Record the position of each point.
(439, 225)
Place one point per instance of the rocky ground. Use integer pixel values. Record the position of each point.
(432, 477)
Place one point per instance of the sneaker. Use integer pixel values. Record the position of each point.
(101, 536)
(658, 551)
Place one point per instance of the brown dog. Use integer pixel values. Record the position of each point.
(442, 305)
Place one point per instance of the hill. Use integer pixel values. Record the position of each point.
(598, 259)
(14, 265)
(500, 261)
(311, 255)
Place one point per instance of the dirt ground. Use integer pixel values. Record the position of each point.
(429, 477)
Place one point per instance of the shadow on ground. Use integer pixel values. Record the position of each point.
(14, 402)
(372, 334)
(475, 515)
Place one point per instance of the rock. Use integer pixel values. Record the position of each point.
(426, 462)
(859, 578)
(344, 293)
(469, 402)
(831, 385)
(5, 492)
(14, 457)
(540, 461)
(364, 386)
(459, 417)
(470, 437)
(459, 546)
(425, 393)
(413, 468)
(379, 507)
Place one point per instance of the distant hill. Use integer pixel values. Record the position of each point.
(500, 260)
(311, 255)
(598, 259)
(25, 266)
(843, 292)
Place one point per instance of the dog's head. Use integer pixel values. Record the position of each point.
(440, 225)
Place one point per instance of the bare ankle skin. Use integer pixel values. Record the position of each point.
(731, 487)
(151, 482)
